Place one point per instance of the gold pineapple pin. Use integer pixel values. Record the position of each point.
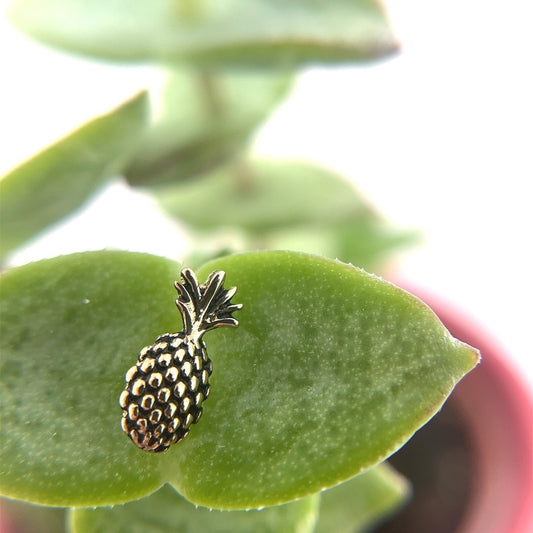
(165, 390)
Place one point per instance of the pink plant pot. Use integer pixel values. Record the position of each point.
(495, 407)
(498, 409)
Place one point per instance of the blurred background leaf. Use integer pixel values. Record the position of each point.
(362, 502)
(262, 195)
(59, 179)
(369, 244)
(351, 507)
(211, 32)
(166, 511)
(200, 118)
(285, 204)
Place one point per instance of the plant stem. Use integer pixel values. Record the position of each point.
(245, 177)
(211, 93)
(189, 10)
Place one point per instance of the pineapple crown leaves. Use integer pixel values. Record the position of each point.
(207, 306)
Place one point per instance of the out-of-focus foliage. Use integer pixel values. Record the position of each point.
(211, 32)
(201, 118)
(57, 180)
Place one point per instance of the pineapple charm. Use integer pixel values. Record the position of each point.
(165, 389)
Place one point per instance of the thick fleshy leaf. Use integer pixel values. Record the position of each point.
(201, 118)
(70, 328)
(264, 195)
(211, 32)
(358, 504)
(366, 244)
(330, 371)
(284, 204)
(57, 180)
(348, 508)
(166, 511)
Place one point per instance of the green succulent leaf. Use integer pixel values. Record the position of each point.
(167, 511)
(340, 369)
(284, 204)
(56, 181)
(330, 371)
(262, 195)
(358, 504)
(70, 327)
(211, 32)
(201, 118)
(367, 244)
(348, 508)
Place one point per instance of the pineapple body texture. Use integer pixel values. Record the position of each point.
(165, 389)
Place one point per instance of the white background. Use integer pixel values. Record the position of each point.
(439, 138)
